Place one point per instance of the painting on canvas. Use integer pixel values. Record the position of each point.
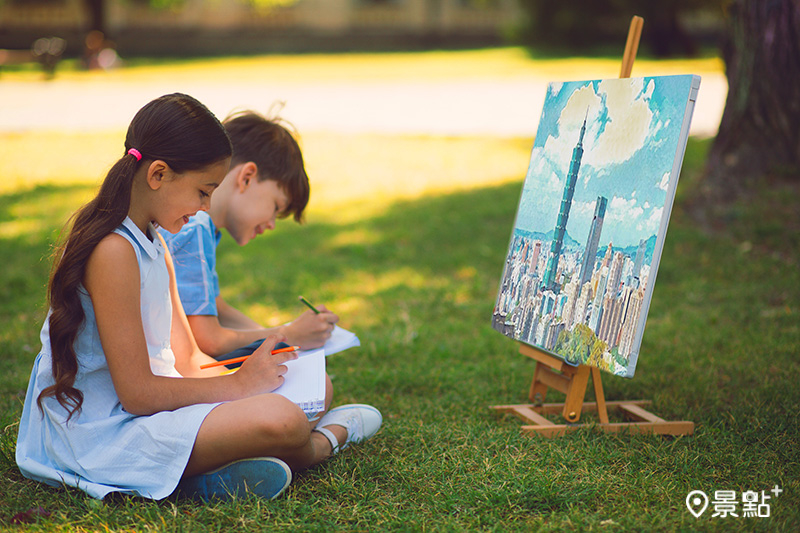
(592, 218)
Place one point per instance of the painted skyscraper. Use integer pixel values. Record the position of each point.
(637, 264)
(586, 302)
(549, 279)
(590, 253)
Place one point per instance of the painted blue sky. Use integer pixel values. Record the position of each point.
(633, 129)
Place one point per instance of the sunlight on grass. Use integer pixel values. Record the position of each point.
(366, 173)
(360, 236)
(368, 283)
(352, 176)
(355, 175)
(350, 307)
(496, 63)
(51, 204)
(31, 158)
(356, 293)
(17, 228)
(405, 241)
(46, 209)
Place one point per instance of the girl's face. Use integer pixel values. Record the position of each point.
(182, 195)
(255, 210)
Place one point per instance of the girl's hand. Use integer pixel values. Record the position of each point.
(263, 372)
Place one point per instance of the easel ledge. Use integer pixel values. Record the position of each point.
(552, 372)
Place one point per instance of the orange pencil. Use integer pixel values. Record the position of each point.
(240, 359)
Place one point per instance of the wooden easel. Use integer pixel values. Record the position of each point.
(552, 372)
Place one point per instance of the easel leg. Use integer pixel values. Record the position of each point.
(573, 405)
(538, 390)
(602, 412)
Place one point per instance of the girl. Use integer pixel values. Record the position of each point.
(104, 411)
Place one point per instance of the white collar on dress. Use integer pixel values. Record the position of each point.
(154, 247)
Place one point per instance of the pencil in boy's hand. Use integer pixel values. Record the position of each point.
(240, 359)
(309, 305)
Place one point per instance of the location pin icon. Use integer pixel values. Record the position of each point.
(697, 502)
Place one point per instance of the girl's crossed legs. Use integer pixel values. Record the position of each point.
(259, 426)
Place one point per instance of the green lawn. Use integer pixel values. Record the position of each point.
(409, 251)
(494, 63)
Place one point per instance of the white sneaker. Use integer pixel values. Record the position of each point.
(361, 422)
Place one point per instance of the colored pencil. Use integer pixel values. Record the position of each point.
(309, 305)
(240, 359)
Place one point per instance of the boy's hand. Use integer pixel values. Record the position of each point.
(311, 330)
(263, 372)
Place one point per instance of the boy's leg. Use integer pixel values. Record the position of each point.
(263, 425)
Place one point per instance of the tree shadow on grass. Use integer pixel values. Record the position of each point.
(422, 278)
(30, 223)
(418, 284)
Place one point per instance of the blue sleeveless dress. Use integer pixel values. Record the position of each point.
(103, 448)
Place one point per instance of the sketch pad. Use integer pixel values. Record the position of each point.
(593, 216)
(304, 383)
(340, 340)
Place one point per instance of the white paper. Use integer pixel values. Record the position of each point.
(340, 339)
(304, 383)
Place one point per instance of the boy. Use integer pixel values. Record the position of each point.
(266, 181)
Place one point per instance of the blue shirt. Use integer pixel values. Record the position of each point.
(194, 252)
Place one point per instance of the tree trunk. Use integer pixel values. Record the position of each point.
(97, 15)
(759, 134)
(664, 33)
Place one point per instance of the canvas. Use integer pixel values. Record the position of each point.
(593, 216)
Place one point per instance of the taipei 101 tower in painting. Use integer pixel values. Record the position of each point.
(599, 190)
(548, 282)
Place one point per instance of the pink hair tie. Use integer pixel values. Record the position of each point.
(135, 153)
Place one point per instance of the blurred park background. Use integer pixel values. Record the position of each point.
(416, 118)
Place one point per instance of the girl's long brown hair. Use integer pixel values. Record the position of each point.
(176, 129)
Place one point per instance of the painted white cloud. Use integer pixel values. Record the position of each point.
(629, 121)
(540, 200)
(623, 210)
(542, 174)
(654, 220)
(664, 182)
(583, 103)
(648, 93)
(584, 208)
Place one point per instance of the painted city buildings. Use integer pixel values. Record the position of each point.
(592, 218)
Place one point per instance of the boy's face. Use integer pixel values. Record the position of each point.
(255, 210)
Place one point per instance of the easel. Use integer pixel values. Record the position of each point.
(552, 372)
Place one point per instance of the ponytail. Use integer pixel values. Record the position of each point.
(90, 224)
(176, 129)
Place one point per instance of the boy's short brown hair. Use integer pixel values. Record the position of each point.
(269, 144)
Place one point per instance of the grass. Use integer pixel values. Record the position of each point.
(409, 251)
(495, 63)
